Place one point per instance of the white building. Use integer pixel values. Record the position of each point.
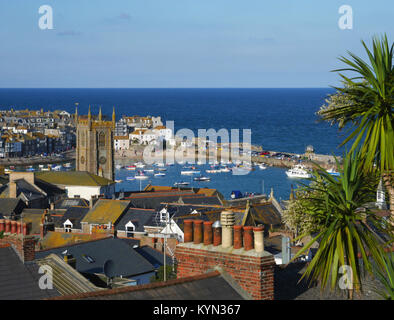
(121, 143)
(80, 184)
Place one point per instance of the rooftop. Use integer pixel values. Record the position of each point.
(19, 281)
(105, 211)
(73, 178)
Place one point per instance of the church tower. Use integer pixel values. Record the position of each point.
(95, 145)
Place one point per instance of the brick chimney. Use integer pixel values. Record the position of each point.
(241, 255)
(24, 246)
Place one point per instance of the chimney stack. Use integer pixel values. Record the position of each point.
(197, 236)
(7, 228)
(217, 233)
(188, 230)
(237, 237)
(258, 239)
(13, 227)
(248, 238)
(208, 232)
(227, 220)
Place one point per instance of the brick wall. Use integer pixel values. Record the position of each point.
(24, 246)
(253, 271)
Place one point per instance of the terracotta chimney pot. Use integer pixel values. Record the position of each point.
(188, 230)
(208, 232)
(248, 238)
(197, 231)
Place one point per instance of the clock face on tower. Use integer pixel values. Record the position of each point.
(102, 160)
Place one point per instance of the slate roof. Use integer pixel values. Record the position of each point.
(72, 178)
(139, 217)
(29, 191)
(75, 215)
(106, 210)
(202, 200)
(209, 286)
(19, 281)
(155, 257)
(287, 287)
(152, 201)
(127, 261)
(71, 202)
(11, 205)
(265, 213)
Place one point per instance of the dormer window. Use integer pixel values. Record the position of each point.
(164, 215)
(67, 225)
(129, 228)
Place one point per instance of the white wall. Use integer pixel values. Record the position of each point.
(87, 192)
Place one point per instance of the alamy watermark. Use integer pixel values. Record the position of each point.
(45, 21)
(210, 146)
(346, 20)
(46, 280)
(346, 280)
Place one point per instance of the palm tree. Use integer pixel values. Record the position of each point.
(344, 236)
(386, 277)
(366, 103)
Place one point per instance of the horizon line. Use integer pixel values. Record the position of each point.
(6, 88)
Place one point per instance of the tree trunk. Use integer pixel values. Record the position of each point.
(389, 184)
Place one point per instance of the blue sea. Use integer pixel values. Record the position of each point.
(279, 119)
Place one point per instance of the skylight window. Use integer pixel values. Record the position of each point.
(88, 258)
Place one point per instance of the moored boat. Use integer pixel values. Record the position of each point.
(298, 171)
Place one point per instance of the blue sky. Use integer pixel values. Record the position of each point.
(183, 43)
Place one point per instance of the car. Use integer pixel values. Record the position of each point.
(264, 153)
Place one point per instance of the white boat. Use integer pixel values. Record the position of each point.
(149, 170)
(182, 183)
(240, 170)
(160, 164)
(189, 172)
(202, 178)
(298, 171)
(161, 169)
(45, 169)
(141, 176)
(226, 169)
(332, 172)
(118, 166)
(57, 168)
(213, 170)
(160, 174)
(130, 178)
(262, 167)
(130, 168)
(67, 165)
(41, 166)
(200, 163)
(140, 165)
(118, 181)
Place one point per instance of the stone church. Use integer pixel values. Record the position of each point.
(95, 147)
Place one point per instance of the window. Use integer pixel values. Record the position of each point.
(88, 258)
(67, 226)
(130, 228)
(101, 139)
(164, 215)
